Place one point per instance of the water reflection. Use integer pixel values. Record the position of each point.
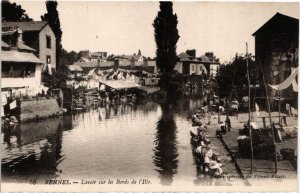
(113, 141)
(165, 150)
(32, 149)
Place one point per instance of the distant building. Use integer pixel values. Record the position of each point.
(276, 49)
(189, 64)
(20, 68)
(95, 56)
(149, 66)
(75, 71)
(39, 36)
(87, 56)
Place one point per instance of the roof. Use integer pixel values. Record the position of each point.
(16, 56)
(128, 57)
(184, 57)
(23, 46)
(279, 23)
(120, 84)
(26, 26)
(204, 59)
(75, 67)
(84, 59)
(93, 64)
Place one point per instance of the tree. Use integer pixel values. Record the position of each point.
(11, 12)
(57, 79)
(52, 17)
(234, 75)
(166, 37)
(67, 58)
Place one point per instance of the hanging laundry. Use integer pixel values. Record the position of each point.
(287, 82)
(294, 111)
(2, 111)
(13, 104)
(257, 110)
(294, 83)
(3, 99)
(288, 108)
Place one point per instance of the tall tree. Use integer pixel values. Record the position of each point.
(52, 17)
(166, 37)
(12, 12)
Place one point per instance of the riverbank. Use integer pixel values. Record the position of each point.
(262, 169)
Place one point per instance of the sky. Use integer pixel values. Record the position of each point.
(125, 27)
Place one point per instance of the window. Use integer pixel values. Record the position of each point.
(48, 41)
(48, 60)
(29, 70)
(6, 70)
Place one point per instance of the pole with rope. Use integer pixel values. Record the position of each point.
(249, 109)
(270, 118)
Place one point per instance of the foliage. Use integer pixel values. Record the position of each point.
(57, 79)
(52, 17)
(236, 73)
(11, 12)
(166, 37)
(67, 58)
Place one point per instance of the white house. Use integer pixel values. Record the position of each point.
(21, 69)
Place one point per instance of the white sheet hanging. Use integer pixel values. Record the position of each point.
(287, 82)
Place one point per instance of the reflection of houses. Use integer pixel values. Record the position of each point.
(188, 64)
(276, 49)
(39, 36)
(20, 67)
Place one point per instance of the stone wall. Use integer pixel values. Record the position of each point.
(39, 108)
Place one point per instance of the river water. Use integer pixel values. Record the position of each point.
(147, 140)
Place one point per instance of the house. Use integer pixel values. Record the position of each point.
(95, 56)
(148, 66)
(39, 36)
(188, 64)
(89, 65)
(87, 56)
(75, 71)
(276, 50)
(211, 65)
(20, 67)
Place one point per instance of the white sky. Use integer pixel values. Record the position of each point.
(125, 27)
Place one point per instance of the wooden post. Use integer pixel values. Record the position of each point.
(249, 109)
(270, 117)
(279, 106)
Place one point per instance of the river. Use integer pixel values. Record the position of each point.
(147, 140)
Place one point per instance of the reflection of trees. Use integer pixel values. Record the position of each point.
(165, 150)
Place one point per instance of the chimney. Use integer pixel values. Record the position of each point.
(191, 53)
